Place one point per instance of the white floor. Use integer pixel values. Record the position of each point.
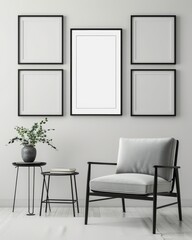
(104, 224)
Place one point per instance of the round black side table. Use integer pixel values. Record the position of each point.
(32, 165)
(47, 200)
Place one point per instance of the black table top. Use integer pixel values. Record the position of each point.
(29, 164)
(60, 173)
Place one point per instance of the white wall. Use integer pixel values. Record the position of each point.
(81, 139)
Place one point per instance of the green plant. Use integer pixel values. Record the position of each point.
(34, 135)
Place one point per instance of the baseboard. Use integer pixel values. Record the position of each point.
(109, 203)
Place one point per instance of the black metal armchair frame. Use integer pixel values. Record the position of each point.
(149, 197)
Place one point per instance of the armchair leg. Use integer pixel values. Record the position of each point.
(87, 195)
(123, 204)
(154, 214)
(178, 194)
(86, 208)
(155, 202)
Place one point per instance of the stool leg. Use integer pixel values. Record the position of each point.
(72, 196)
(77, 201)
(46, 188)
(42, 195)
(47, 198)
(15, 189)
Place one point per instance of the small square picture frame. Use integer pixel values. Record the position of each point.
(153, 39)
(40, 39)
(40, 92)
(153, 92)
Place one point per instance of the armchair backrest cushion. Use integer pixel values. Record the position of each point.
(141, 154)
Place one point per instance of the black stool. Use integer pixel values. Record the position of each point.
(72, 201)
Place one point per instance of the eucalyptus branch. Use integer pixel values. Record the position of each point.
(34, 135)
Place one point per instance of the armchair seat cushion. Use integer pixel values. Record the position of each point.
(129, 183)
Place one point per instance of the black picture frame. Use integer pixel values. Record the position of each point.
(20, 61)
(132, 43)
(173, 92)
(71, 71)
(21, 92)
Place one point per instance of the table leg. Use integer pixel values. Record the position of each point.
(77, 201)
(31, 210)
(72, 196)
(15, 189)
(33, 188)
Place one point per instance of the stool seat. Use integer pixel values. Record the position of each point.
(48, 173)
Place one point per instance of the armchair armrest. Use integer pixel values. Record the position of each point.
(102, 163)
(163, 166)
(175, 176)
(89, 170)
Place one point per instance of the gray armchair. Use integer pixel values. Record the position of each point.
(145, 169)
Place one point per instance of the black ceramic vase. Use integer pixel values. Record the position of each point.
(28, 153)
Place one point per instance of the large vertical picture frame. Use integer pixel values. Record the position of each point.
(96, 71)
(40, 92)
(153, 92)
(40, 39)
(153, 39)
